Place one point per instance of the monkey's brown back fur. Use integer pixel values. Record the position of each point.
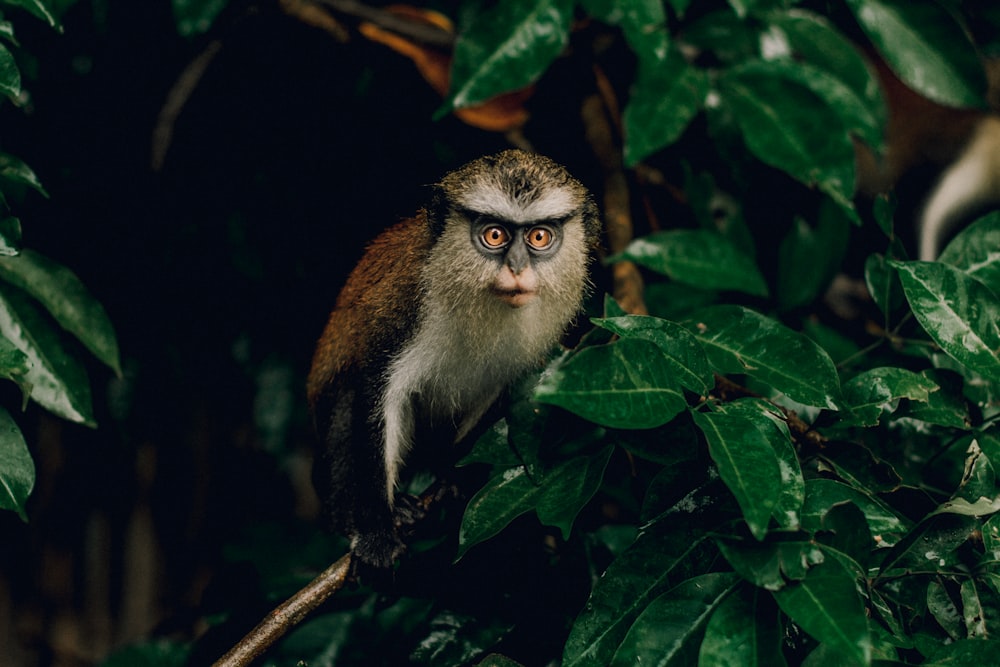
(379, 299)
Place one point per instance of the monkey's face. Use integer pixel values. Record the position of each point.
(515, 249)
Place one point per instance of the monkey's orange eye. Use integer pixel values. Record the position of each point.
(539, 238)
(495, 237)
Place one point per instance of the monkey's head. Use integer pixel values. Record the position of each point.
(516, 226)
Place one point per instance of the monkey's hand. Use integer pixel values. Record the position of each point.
(381, 548)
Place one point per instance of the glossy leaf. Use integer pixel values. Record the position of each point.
(626, 384)
(931, 543)
(10, 236)
(822, 494)
(669, 630)
(963, 653)
(683, 353)
(747, 464)
(67, 300)
(14, 365)
(58, 381)
(883, 284)
(957, 311)
(17, 469)
(667, 95)
(778, 110)
(643, 23)
(507, 48)
(975, 602)
(946, 407)
(672, 549)
(10, 75)
(926, 47)
(871, 392)
(557, 498)
(774, 429)
(772, 564)
(740, 340)
(827, 606)
(743, 631)
(814, 39)
(701, 258)
(943, 608)
(976, 250)
(15, 170)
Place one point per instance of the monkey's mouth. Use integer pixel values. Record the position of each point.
(515, 297)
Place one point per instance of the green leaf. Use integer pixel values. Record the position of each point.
(643, 23)
(772, 564)
(747, 464)
(667, 95)
(809, 257)
(931, 544)
(883, 284)
(814, 39)
(558, 497)
(926, 47)
(58, 381)
(943, 608)
(740, 340)
(672, 549)
(946, 407)
(17, 469)
(779, 105)
(10, 76)
(38, 8)
(683, 353)
(744, 631)
(976, 250)
(195, 17)
(669, 630)
(10, 236)
(827, 606)
(822, 494)
(14, 365)
(507, 48)
(963, 653)
(67, 300)
(772, 427)
(957, 311)
(701, 258)
(974, 612)
(871, 392)
(15, 170)
(626, 384)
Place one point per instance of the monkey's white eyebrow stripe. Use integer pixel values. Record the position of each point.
(553, 204)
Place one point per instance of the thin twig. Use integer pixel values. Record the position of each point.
(288, 615)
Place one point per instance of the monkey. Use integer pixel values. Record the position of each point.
(444, 311)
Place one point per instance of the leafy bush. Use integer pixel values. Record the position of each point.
(38, 296)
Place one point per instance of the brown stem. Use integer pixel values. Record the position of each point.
(288, 615)
(727, 390)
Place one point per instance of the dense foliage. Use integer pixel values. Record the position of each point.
(745, 476)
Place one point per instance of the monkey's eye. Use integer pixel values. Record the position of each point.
(539, 238)
(495, 237)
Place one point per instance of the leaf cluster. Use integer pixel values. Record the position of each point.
(40, 301)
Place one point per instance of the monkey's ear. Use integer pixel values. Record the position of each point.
(592, 221)
(437, 210)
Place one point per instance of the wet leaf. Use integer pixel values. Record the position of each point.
(506, 48)
(926, 47)
(771, 564)
(774, 429)
(10, 236)
(747, 464)
(946, 407)
(740, 340)
(669, 630)
(16, 171)
(827, 606)
(822, 494)
(957, 311)
(17, 469)
(931, 544)
(701, 258)
(976, 250)
(943, 608)
(778, 109)
(626, 384)
(39, 8)
(58, 381)
(744, 631)
(682, 351)
(883, 284)
(67, 300)
(810, 256)
(871, 392)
